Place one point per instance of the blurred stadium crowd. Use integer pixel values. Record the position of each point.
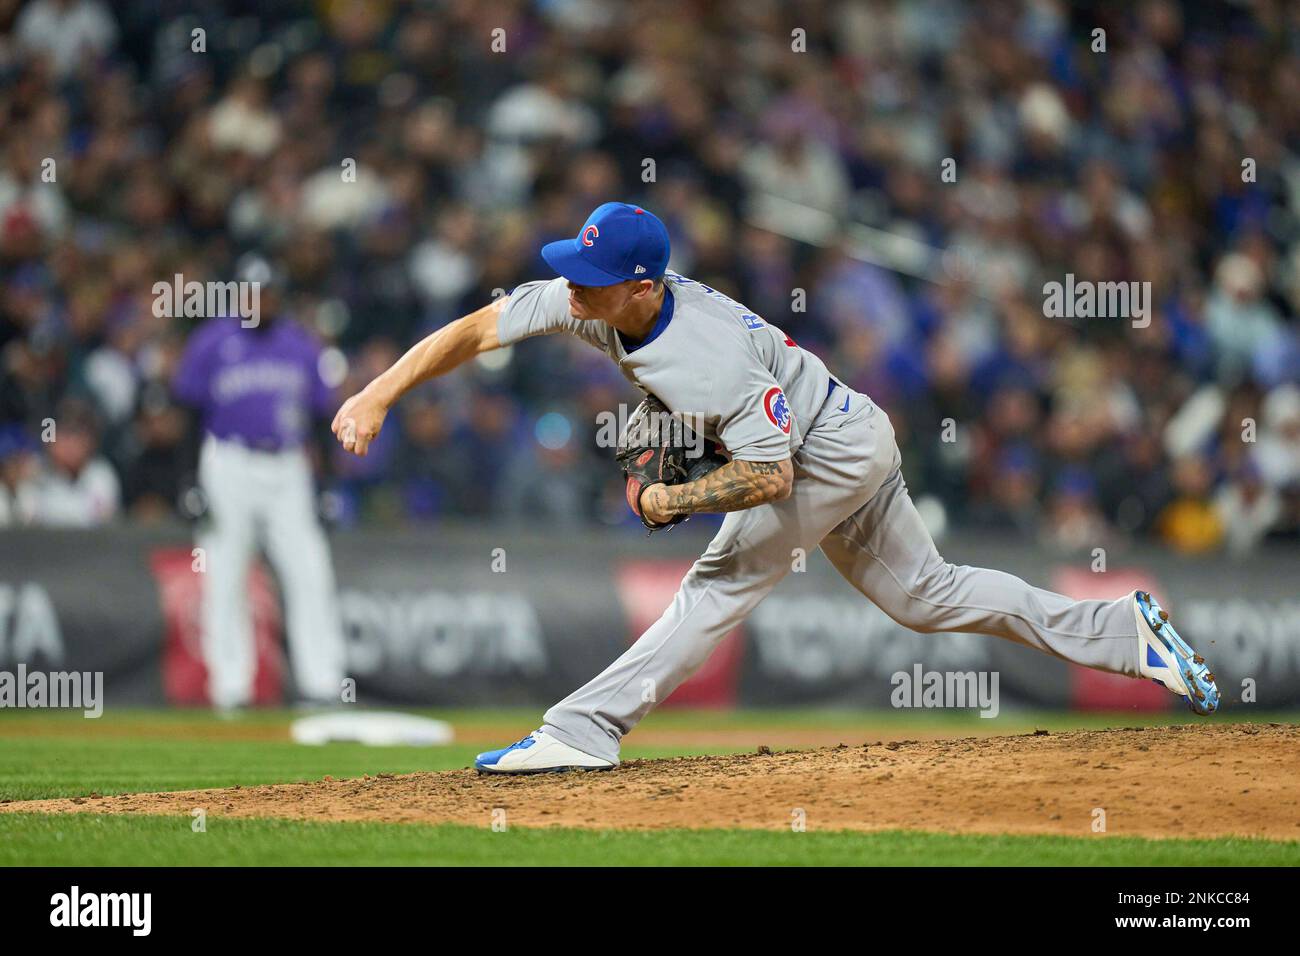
(806, 184)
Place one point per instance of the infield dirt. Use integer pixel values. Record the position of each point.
(1206, 780)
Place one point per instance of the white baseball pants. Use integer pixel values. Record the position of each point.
(265, 498)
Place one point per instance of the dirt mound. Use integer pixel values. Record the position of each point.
(1194, 780)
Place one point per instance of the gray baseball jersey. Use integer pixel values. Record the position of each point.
(765, 399)
(752, 389)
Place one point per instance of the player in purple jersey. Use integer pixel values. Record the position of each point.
(257, 386)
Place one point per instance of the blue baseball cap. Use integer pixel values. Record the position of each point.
(618, 242)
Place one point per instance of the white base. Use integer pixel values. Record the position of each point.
(374, 728)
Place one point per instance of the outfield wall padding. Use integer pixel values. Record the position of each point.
(475, 615)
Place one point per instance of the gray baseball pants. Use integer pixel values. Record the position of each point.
(849, 498)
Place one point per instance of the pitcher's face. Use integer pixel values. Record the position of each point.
(587, 302)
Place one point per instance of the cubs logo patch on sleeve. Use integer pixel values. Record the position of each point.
(778, 409)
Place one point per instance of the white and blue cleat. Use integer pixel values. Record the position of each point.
(539, 752)
(1168, 660)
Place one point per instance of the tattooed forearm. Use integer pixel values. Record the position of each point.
(733, 487)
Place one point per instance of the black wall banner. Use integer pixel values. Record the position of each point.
(496, 616)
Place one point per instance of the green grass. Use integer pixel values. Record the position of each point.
(88, 840)
(1008, 721)
(103, 756)
(33, 769)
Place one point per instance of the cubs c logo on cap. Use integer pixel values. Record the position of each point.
(778, 410)
(629, 237)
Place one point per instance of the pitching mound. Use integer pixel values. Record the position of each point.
(1201, 780)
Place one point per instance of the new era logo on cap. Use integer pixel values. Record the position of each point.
(633, 244)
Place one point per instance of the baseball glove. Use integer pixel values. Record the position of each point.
(654, 449)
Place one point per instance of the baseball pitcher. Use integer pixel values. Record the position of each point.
(807, 463)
